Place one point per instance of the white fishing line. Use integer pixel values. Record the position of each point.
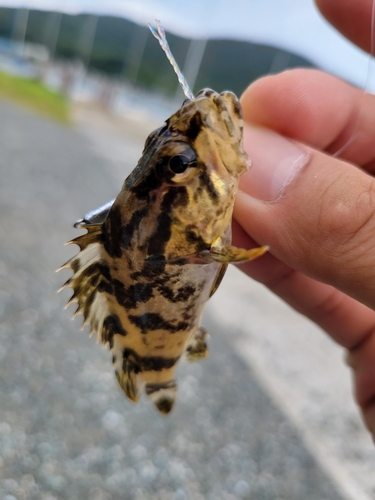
(162, 39)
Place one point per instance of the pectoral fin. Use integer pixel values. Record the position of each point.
(219, 278)
(224, 255)
(230, 254)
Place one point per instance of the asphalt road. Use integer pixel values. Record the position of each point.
(66, 431)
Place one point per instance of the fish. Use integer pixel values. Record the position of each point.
(151, 259)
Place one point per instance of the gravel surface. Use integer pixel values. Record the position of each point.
(66, 431)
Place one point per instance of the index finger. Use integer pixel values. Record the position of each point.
(317, 109)
(351, 17)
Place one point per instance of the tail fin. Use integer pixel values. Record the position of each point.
(163, 395)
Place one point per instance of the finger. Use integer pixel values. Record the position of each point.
(362, 360)
(346, 320)
(317, 109)
(369, 417)
(321, 221)
(351, 17)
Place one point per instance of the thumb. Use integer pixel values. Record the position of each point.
(314, 211)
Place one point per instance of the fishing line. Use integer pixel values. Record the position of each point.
(160, 36)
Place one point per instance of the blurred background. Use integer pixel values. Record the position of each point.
(269, 415)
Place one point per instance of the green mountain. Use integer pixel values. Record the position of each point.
(123, 49)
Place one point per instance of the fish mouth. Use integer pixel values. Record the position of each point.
(225, 100)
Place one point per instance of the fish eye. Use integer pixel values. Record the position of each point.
(177, 167)
(178, 164)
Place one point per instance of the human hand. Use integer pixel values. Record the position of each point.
(315, 211)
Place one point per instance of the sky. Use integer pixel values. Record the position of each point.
(294, 25)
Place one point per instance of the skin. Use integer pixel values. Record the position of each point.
(321, 230)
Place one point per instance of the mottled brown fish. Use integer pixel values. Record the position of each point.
(143, 276)
(151, 259)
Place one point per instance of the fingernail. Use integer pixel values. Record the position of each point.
(275, 161)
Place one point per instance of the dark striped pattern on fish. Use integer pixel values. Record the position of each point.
(142, 277)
